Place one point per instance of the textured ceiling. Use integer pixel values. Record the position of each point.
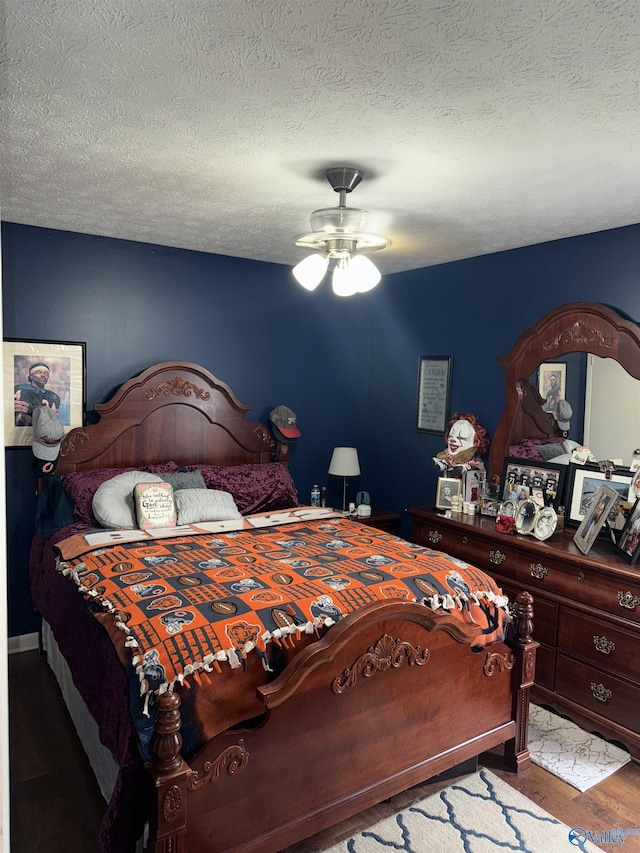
(208, 124)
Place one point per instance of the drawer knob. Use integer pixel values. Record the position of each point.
(464, 540)
(497, 558)
(538, 571)
(580, 576)
(600, 692)
(603, 645)
(434, 536)
(628, 600)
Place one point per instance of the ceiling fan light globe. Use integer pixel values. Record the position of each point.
(343, 281)
(364, 272)
(310, 271)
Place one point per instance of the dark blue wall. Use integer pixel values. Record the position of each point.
(474, 310)
(347, 367)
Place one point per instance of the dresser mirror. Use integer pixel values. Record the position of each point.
(609, 388)
(586, 329)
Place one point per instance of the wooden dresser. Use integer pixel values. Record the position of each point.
(586, 616)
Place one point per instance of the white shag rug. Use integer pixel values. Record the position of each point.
(564, 749)
(478, 814)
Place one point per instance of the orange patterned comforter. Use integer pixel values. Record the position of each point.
(189, 604)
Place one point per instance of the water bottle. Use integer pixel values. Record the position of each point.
(315, 496)
(323, 496)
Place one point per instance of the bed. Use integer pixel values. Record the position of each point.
(393, 678)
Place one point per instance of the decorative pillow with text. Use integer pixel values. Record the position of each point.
(155, 505)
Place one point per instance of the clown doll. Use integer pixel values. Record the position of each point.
(466, 441)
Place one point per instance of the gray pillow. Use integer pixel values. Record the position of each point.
(550, 451)
(185, 480)
(196, 505)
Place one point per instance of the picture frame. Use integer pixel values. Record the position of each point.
(474, 483)
(604, 500)
(449, 493)
(545, 523)
(583, 482)
(628, 543)
(434, 393)
(552, 384)
(525, 516)
(523, 477)
(63, 388)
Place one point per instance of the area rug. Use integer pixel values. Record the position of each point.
(478, 814)
(564, 749)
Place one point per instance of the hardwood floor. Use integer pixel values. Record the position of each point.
(56, 806)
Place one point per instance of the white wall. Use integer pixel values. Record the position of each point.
(612, 410)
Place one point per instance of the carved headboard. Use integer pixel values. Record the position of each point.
(574, 327)
(174, 411)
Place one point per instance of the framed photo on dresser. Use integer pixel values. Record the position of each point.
(584, 481)
(449, 493)
(628, 543)
(523, 478)
(604, 500)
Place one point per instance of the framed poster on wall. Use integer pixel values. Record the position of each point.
(434, 393)
(41, 373)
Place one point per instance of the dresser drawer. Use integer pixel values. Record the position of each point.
(545, 613)
(598, 691)
(615, 596)
(614, 648)
(462, 545)
(545, 666)
(541, 567)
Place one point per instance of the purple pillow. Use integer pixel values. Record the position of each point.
(255, 488)
(82, 486)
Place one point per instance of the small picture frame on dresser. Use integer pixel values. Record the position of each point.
(449, 493)
(603, 501)
(628, 543)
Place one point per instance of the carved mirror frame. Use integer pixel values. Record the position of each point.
(588, 327)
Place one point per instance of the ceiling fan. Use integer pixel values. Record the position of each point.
(340, 234)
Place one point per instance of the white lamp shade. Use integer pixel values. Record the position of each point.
(364, 273)
(344, 462)
(343, 282)
(310, 272)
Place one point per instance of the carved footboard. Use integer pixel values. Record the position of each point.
(391, 696)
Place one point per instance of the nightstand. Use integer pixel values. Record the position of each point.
(381, 519)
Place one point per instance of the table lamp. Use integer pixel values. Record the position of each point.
(344, 463)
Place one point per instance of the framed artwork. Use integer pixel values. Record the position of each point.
(449, 493)
(522, 478)
(474, 481)
(41, 373)
(434, 393)
(628, 543)
(604, 500)
(584, 481)
(552, 384)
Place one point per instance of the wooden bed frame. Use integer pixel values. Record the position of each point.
(389, 697)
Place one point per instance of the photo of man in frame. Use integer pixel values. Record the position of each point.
(40, 382)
